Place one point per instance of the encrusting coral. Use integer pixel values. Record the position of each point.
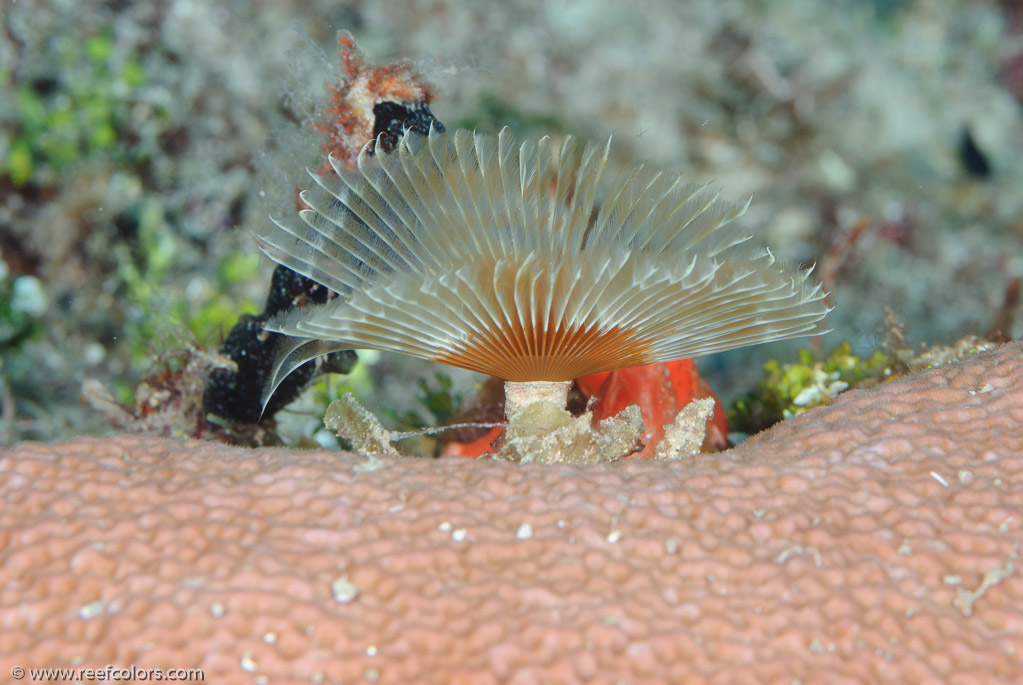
(876, 539)
(519, 261)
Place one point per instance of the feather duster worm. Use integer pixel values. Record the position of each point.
(529, 262)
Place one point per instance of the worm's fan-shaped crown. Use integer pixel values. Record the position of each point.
(524, 262)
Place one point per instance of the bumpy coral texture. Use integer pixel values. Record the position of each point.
(874, 539)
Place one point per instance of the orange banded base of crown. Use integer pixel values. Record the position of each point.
(525, 353)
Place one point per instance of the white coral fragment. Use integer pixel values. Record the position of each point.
(540, 429)
(351, 421)
(684, 436)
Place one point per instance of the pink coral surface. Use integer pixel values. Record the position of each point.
(876, 539)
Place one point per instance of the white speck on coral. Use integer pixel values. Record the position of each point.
(524, 532)
(270, 638)
(371, 464)
(371, 650)
(938, 478)
(965, 477)
(344, 590)
(458, 535)
(799, 549)
(446, 527)
(248, 664)
(614, 536)
(216, 610)
(965, 599)
(92, 610)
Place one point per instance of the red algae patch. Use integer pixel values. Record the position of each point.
(874, 539)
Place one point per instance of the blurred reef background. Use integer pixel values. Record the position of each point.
(142, 142)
